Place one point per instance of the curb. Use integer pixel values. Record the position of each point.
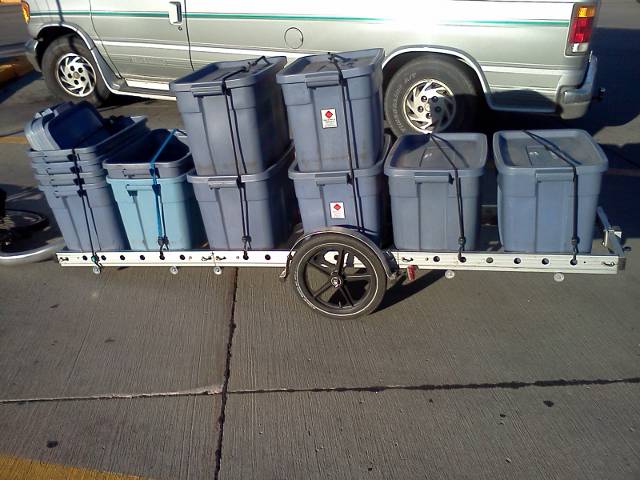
(14, 68)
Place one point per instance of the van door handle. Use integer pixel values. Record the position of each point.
(175, 13)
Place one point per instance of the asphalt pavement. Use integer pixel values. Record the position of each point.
(487, 376)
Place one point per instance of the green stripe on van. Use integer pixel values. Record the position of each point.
(546, 23)
(268, 16)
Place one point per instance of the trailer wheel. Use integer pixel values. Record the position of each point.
(339, 276)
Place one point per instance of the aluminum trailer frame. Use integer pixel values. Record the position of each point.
(493, 261)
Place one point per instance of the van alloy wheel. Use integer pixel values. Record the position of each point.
(76, 75)
(429, 105)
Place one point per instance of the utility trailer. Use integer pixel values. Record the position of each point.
(342, 274)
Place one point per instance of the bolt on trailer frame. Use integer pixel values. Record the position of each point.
(365, 257)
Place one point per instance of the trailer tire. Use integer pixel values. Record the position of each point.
(346, 291)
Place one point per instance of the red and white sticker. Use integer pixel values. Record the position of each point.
(329, 118)
(337, 209)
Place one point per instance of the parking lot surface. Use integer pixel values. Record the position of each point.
(138, 373)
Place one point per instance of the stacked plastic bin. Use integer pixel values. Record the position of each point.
(334, 104)
(69, 143)
(548, 189)
(236, 121)
(434, 184)
(156, 203)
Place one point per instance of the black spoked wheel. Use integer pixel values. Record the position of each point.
(339, 276)
(16, 224)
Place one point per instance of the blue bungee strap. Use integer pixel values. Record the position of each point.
(163, 241)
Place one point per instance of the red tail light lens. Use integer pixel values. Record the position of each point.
(582, 23)
(581, 30)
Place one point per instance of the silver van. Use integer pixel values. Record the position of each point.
(446, 59)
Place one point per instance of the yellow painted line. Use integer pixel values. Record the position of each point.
(14, 68)
(14, 140)
(16, 468)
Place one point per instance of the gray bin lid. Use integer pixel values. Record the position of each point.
(209, 79)
(419, 155)
(134, 162)
(521, 152)
(319, 68)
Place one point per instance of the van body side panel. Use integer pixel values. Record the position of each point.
(140, 40)
(520, 45)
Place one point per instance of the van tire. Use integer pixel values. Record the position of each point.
(450, 73)
(70, 50)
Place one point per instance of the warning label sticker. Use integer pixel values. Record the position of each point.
(329, 118)
(337, 209)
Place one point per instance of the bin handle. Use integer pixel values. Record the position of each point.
(555, 176)
(433, 177)
(223, 183)
(332, 178)
(137, 188)
(202, 91)
(323, 79)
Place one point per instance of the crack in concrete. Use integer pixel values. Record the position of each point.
(225, 383)
(225, 392)
(194, 392)
(444, 387)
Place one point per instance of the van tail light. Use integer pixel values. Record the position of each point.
(582, 23)
(26, 11)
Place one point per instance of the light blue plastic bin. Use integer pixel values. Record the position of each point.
(137, 205)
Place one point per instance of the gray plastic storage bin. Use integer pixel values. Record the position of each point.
(64, 126)
(535, 189)
(174, 160)
(252, 100)
(62, 168)
(269, 207)
(71, 178)
(105, 227)
(424, 202)
(314, 99)
(119, 132)
(327, 198)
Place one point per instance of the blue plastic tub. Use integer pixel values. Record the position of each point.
(137, 204)
(117, 133)
(101, 228)
(245, 92)
(269, 207)
(313, 94)
(424, 198)
(327, 199)
(65, 126)
(536, 190)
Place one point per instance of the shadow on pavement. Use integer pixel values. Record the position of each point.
(16, 85)
(31, 199)
(402, 290)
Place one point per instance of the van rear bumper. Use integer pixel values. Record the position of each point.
(574, 101)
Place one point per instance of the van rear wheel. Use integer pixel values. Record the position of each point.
(71, 73)
(431, 94)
